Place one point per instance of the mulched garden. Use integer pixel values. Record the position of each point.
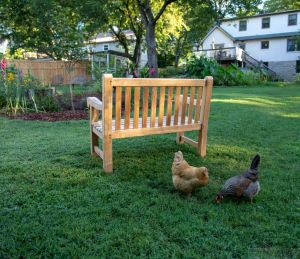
(62, 109)
(52, 116)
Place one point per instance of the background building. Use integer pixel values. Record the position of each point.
(269, 39)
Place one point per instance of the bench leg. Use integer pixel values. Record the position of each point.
(202, 139)
(94, 115)
(94, 142)
(107, 154)
(179, 139)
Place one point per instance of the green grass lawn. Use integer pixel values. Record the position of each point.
(57, 202)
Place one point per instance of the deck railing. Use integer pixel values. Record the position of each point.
(230, 53)
(237, 54)
(254, 63)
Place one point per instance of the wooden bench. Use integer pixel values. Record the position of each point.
(151, 106)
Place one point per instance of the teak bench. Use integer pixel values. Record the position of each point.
(168, 111)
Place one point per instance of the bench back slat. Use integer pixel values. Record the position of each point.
(153, 106)
(191, 104)
(127, 106)
(118, 104)
(136, 107)
(145, 106)
(169, 107)
(198, 104)
(202, 104)
(184, 104)
(161, 105)
(177, 105)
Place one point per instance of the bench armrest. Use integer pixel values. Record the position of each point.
(95, 103)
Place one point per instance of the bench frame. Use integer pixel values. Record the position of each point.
(181, 123)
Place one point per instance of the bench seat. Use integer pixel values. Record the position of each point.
(122, 132)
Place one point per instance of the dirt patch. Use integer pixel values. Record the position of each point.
(53, 116)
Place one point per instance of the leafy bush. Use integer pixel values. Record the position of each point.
(172, 71)
(297, 78)
(18, 93)
(99, 71)
(144, 72)
(223, 76)
(2, 98)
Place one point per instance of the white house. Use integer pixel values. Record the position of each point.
(269, 38)
(100, 46)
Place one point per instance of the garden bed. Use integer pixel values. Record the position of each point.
(52, 116)
(54, 104)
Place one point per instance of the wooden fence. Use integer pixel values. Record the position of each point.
(54, 72)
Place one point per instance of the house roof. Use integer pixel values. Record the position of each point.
(260, 15)
(219, 28)
(109, 37)
(268, 36)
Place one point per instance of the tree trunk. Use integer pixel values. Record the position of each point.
(179, 47)
(151, 50)
(177, 52)
(137, 51)
(150, 21)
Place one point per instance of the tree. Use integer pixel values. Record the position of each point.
(199, 16)
(117, 17)
(279, 5)
(222, 8)
(171, 33)
(50, 27)
(150, 20)
(120, 15)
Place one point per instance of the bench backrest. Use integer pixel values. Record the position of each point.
(167, 102)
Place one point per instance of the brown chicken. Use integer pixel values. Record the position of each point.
(187, 178)
(244, 185)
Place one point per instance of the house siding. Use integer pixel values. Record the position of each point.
(217, 37)
(277, 51)
(278, 24)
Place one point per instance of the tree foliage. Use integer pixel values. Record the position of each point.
(280, 5)
(117, 17)
(51, 27)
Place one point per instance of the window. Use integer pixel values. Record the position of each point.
(219, 46)
(265, 44)
(297, 66)
(292, 45)
(265, 23)
(292, 20)
(105, 47)
(242, 46)
(243, 26)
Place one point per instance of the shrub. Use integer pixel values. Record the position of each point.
(297, 78)
(172, 71)
(47, 103)
(223, 76)
(2, 98)
(18, 93)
